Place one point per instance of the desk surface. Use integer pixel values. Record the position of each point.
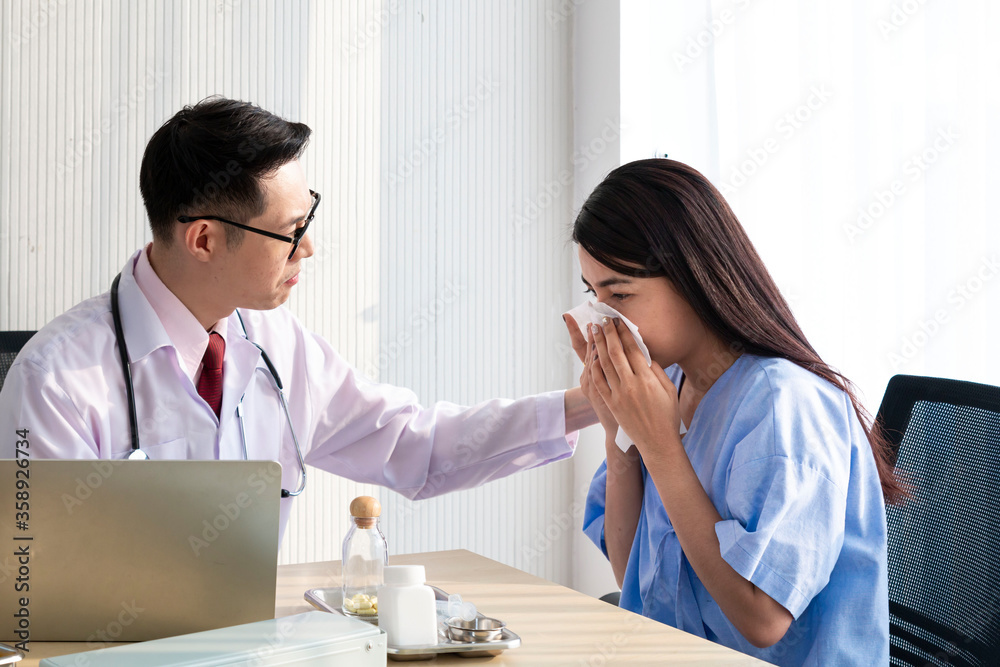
(556, 624)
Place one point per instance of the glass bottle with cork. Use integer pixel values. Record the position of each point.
(365, 554)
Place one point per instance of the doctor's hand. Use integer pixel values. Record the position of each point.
(640, 397)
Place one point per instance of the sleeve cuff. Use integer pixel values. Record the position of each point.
(595, 532)
(731, 533)
(550, 411)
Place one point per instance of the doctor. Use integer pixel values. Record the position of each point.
(200, 321)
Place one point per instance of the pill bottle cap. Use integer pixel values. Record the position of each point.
(404, 575)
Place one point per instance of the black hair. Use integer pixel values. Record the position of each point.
(210, 158)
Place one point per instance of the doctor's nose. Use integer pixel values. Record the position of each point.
(305, 248)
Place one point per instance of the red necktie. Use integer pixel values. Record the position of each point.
(210, 382)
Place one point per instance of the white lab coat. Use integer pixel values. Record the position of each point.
(67, 388)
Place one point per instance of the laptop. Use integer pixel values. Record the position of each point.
(106, 551)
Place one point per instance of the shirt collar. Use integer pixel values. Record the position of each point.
(142, 330)
(182, 329)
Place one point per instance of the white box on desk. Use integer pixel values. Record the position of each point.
(311, 638)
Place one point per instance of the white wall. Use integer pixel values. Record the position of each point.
(460, 227)
(598, 135)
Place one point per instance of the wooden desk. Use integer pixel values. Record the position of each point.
(557, 625)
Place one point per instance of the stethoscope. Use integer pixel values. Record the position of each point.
(137, 453)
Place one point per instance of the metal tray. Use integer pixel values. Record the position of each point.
(329, 599)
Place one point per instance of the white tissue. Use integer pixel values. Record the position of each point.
(594, 312)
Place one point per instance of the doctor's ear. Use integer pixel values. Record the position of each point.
(202, 239)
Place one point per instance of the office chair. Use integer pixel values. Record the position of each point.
(613, 597)
(944, 541)
(11, 343)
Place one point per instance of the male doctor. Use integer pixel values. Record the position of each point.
(230, 211)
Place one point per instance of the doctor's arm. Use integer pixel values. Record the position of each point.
(381, 434)
(32, 400)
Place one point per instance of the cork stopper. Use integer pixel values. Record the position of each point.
(365, 511)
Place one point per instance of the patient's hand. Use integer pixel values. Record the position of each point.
(585, 349)
(576, 338)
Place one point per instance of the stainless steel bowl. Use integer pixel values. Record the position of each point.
(481, 629)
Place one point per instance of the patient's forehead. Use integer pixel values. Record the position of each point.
(593, 272)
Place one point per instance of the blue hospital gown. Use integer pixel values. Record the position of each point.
(784, 459)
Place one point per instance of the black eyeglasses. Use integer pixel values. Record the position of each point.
(294, 239)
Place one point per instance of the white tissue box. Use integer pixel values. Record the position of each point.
(312, 638)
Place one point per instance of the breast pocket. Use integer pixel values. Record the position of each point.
(171, 449)
(167, 451)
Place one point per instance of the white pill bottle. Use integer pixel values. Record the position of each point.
(406, 609)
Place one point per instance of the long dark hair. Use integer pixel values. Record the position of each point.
(660, 217)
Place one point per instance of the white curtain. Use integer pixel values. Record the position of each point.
(857, 143)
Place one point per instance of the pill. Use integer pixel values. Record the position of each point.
(362, 604)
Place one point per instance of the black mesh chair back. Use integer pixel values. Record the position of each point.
(944, 542)
(11, 343)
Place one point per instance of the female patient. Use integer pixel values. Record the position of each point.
(750, 508)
